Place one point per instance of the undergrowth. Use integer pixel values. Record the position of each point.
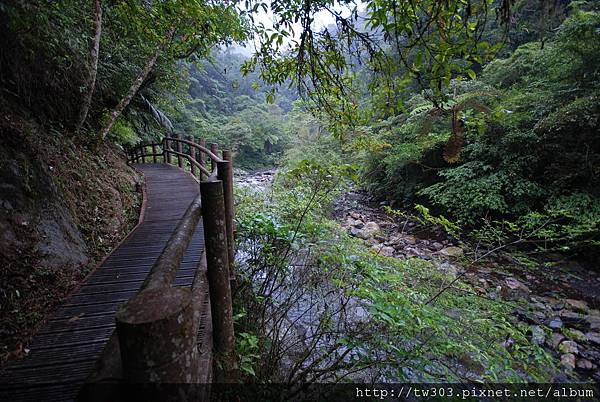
(357, 316)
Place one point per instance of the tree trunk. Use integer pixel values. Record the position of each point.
(91, 81)
(134, 87)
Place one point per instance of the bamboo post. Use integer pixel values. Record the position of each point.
(225, 174)
(202, 143)
(167, 149)
(217, 272)
(156, 337)
(154, 153)
(193, 155)
(214, 148)
(180, 150)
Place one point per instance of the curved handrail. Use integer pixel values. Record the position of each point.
(199, 147)
(194, 155)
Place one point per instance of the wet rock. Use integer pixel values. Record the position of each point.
(574, 320)
(555, 340)
(569, 347)
(452, 251)
(527, 316)
(568, 361)
(538, 336)
(515, 284)
(577, 305)
(384, 250)
(368, 231)
(437, 246)
(403, 239)
(585, 364)
(555, 323)
(354, 231)
(577, 335)
(355, 215)
(593, 321)
(593, 337)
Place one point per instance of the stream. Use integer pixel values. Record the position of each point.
(562, 297)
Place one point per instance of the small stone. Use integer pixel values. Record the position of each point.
(574, 320)
(408, 239)
(569, 347)
(593, 337)
(568, 360)
(538, 336)
(452, 251)
(578, 305)
(555, 323)
(593, 321)
(355, 215)
(585, 364)
(513, 283)
(577, 335)
(384, 250)
(437, 246)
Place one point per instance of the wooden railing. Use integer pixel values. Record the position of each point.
(157, 328)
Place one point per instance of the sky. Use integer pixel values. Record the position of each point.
(321, 20)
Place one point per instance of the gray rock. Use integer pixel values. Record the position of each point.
(437, 246)
(538, 336)
(593, 337)
(384, 250)
(555, 340)
(452, 251)
(555, 323)
(577, 305)
(585, 364)
(369, 230)
(568, 360)
(569, 347)
(574, 320)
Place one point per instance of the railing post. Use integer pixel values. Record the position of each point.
(225, 174)
(215, 235)
(192, 155)
(202, 143)
(143, 154)
(180, 150)
(157, 337)
(154, 153)
(214, 148)
(167, 149)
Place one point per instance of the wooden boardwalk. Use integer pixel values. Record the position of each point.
(63, 353)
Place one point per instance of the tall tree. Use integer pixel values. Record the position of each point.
(176, 29)
(94, 53)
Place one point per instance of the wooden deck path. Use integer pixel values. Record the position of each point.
(63, 353)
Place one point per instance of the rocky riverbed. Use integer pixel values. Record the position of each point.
(562, 298)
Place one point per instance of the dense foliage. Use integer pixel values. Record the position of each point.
(526, 149)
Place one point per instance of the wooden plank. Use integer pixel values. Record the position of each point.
(63, 352)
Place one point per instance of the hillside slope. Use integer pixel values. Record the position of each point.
(62, 209)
